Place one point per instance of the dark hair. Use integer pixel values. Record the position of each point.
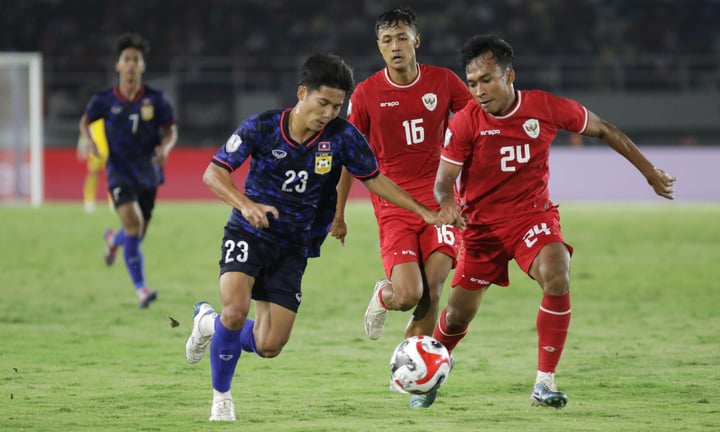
(396, 17)
(132, 40)
(327, 70)
(480, 44)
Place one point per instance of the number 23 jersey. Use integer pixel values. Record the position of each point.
(505, 159)
(293, 177)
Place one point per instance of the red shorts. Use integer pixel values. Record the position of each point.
(405, 237)
(488, 248)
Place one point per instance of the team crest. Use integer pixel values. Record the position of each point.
(323, 163)
(532, 128)
(430, 101)
(147, 111)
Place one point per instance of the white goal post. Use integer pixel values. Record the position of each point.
(21, 128)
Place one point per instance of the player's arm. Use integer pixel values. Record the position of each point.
(338, 229)
(444, 193)
(387, 189)
(85, 141)
(169, 140)
(661, 182)
(218, 180)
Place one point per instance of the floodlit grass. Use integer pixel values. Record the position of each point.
(76, 354)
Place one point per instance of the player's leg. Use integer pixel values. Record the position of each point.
(439, 247)
(133, 227)
(225, 345)
(400, 253)
(90, 183)
(475, 271)
(273, 324)
(436, 269)
(545, 257)
(451, 328)
(455, 319)
(551, 269)
(277, 300)
(401, 292)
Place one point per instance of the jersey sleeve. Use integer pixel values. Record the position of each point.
(459, 93)
(359, 159)
(167, 116)
(357, 112)
(95, 109)
(568, 114)
(458, 139)
(237, 148)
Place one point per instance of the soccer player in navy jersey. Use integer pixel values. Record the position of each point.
(140, 131)
(496, 156)
(403, 110)
(296, 157)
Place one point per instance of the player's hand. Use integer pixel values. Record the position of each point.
(257, 214)
(450, 214)
(431, 218)
(662, 183)
(160, 157)
(338, 229)
(82, 152)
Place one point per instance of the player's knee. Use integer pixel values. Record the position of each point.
(405, 300)
(269, 349)
(457, 319)
(556, 284)
(233, 317)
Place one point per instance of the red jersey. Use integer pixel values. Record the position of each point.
(405, 124)
(505, 159)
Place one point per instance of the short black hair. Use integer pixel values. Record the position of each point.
(328, 70)
(394, 17)
(132, 40)
(480, 44)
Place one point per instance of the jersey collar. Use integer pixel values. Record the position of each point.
(410, 84)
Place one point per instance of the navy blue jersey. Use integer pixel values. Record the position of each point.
(293, 177)
(133, 130)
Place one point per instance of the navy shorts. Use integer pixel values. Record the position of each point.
(145, 197)
(277, 271)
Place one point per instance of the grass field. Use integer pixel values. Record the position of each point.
(77, 355)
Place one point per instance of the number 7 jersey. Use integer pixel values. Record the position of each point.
(505, 159)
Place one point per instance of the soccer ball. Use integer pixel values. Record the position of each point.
(419, 365)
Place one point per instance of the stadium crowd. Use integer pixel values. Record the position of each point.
(262, 37)
(259, 30)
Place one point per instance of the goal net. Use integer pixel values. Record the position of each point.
(21, 126)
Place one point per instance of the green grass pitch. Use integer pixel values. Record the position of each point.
(643, 353)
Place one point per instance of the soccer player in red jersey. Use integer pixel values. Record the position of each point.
(499, 147)
(404, 109)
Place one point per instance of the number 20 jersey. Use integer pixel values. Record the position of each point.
(505, 159)
(293, 177)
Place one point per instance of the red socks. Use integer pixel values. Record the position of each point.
(553, 321)
(447, 336)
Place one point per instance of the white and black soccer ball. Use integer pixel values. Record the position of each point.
(420, 364)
